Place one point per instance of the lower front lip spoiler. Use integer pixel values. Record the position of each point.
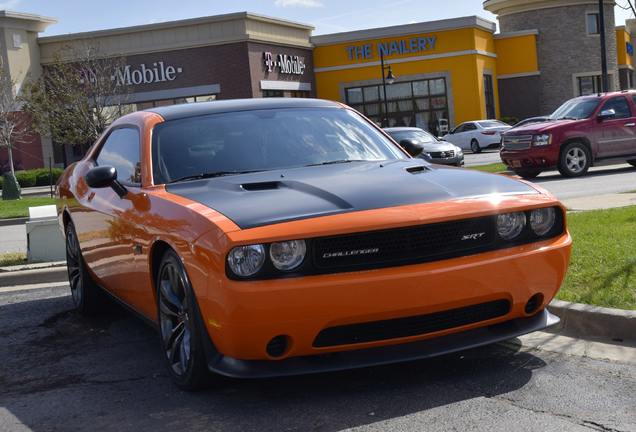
(427, 348)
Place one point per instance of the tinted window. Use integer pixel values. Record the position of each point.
(576, 109)
(121, 150)
(620, 107)
(264, 140)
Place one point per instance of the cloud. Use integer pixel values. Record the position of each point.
(303, 3)
(10, 4)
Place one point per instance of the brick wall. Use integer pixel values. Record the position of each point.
(564, 48)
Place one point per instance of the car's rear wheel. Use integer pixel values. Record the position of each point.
(474, 146)
(179, 325)
(527, 173)
(85, 292)
(574, 160)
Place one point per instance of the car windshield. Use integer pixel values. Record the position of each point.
(421, 136)
(261, 140)
(576, 109)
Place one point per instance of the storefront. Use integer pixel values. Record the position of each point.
(443, 72)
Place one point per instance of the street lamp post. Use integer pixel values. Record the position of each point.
(389, 79)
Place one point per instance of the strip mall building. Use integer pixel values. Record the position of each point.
(446, 72)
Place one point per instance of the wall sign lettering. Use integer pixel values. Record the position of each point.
(146, 75)
(402, 46)
(286, 64)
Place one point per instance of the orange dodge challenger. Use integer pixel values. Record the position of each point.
(272, 237)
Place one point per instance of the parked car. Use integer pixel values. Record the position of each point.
(527, 121)
(269, 237)
(477, 135)
(435, 150)
(580, 133)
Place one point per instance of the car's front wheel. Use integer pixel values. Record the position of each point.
(85, 292)
(474, 146)
(574, 160)
(179, 325)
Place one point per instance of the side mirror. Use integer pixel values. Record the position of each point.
(105, 176)
(412, 146)
(606, 114)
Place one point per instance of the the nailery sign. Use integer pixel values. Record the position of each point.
(286, 64)
(403, 46)
(156, 73)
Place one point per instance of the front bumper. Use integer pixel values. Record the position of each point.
(534, 157)
(441, 345)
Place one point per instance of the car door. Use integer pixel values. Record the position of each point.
(615, 136)
(107, 224)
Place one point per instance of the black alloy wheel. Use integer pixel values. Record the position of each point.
(84, 290)
(474, 146)
(180, 331)
(574, 160)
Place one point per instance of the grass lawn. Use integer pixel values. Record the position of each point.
(603, 265)
(20, 208)
(496, 167)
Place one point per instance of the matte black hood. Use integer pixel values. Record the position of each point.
(264, 198)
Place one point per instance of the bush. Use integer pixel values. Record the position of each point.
(25, 178)
(43, 176)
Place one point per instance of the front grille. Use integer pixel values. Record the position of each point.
(444, 154)
(519, 142)
(404, 245)
(411, 326)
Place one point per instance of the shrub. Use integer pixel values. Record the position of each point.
(26, 178)
(43, 176)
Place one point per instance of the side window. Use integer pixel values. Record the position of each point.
(620, 107)
(470, 127)
(121, 150)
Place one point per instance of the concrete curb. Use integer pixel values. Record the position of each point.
(594, 322)
(33, 274)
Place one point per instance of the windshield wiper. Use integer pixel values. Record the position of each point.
(567, 118)
(335, 162)
(211, 175)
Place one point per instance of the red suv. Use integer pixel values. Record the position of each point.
(583, 131)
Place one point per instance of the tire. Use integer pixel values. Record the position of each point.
(180, 326)
(527, 173)
(574, 160)
(85, 292)
(474, 146)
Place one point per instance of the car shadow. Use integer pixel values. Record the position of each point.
(63, 368)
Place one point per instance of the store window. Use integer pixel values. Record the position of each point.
(421, 103)
(167, 102)
(300, 94)
(272, 93)
(589, 85)
(593, 26)
(489, 95)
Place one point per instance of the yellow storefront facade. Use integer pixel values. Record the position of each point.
(445, 71)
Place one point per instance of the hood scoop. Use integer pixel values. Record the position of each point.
(416, 169)
(261, 186)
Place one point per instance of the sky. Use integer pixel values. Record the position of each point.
(326, 16)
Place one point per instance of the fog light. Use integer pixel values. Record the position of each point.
(277, 346)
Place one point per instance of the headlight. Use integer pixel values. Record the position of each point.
(541, 140)
(542, 220)
(288, 254)
(510, 225)
(246, 260)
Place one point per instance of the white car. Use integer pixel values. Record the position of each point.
(477, 135)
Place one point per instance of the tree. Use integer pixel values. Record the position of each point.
(14, 127)
(77, 96)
